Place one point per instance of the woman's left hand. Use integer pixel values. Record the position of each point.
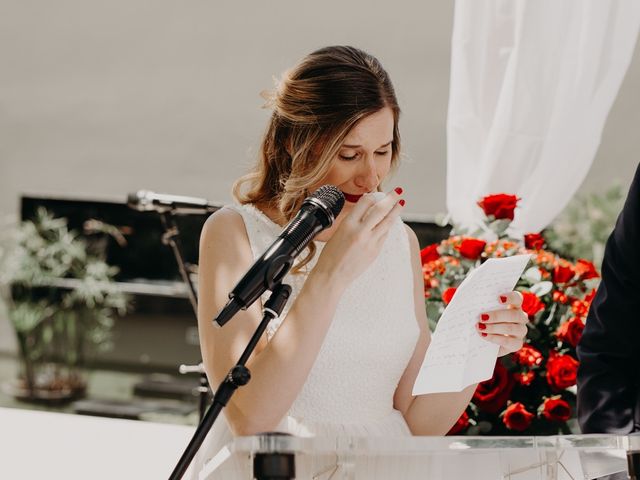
(506, 327)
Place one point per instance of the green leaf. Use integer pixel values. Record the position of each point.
(434, 311)
(47, 334)
(26, 316)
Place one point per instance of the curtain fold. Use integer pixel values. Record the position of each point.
(532, 83)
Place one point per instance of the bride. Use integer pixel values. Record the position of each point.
(344, 355)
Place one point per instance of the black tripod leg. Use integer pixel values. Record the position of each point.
(197, 439)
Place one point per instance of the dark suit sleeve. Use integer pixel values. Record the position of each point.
(608, 350)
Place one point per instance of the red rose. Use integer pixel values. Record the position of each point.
(447, 295)
(471, 248)
(429, 253)
(516, 417)
(533, 241)
(528, 356)
(561, 371)
(525, 379)
(500, 205)
(460, 425)
(589, 298)
(586, 270)
(563, 273)
(571, 331)
(531, 304)
(491, 395)
(555, 409)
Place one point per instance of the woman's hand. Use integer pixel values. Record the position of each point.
(358, 240)
(507, 327)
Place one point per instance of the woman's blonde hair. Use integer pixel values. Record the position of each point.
(315, 105)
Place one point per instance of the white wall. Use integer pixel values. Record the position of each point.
(99, 99)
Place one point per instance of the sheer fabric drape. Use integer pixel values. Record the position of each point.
(532, 83)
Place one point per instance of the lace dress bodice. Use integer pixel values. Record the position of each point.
(371, 339)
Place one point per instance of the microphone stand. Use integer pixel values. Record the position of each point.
(238, 376)
(171, 237)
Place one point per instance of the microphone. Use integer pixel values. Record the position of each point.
(318, 211)
(146, 201)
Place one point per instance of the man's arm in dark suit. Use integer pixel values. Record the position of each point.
(608, 350)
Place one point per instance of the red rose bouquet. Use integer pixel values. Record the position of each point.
(532, 391)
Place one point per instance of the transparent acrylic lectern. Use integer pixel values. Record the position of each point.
(486, 458)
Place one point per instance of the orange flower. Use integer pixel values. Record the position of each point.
(543, 273)
(559, 297)
(524, 379)
(528, 356)
(507, 245)
(545, 257)
(580, 308)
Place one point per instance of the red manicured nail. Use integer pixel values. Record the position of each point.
(484, 317)
(401, 202)
(482, 326)
(503, 299)
(398, 190)
(483, 334)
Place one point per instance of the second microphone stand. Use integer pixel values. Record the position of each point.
(238, 376)
(171, 237)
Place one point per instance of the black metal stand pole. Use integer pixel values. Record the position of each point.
(203, 390)
(239, 375)
(633, 464)
(171, 237)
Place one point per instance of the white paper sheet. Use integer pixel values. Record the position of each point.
(458, 356)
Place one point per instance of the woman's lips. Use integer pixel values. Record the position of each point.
(352, 198)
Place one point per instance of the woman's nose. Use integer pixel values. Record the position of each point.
(368, 177)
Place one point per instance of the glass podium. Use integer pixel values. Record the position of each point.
(570, 457)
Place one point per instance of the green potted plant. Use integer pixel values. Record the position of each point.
(61, 299)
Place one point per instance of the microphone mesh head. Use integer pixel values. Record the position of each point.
(331, 197)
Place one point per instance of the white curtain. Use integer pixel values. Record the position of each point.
(532, 83)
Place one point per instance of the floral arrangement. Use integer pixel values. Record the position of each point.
(532, 391)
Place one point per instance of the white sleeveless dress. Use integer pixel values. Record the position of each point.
(350, 388)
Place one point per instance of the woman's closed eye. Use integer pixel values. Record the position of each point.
(356, 155)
